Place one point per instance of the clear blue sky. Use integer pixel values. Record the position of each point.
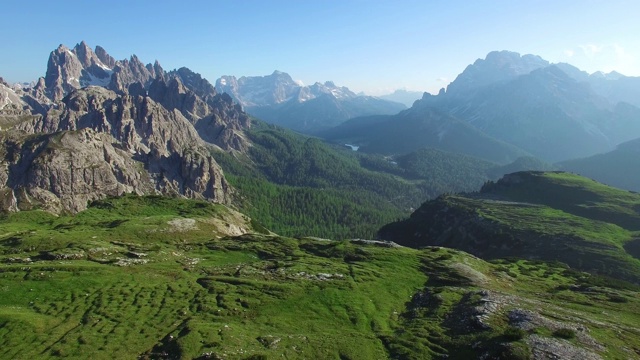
(374, 46)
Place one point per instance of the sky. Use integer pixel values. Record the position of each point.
(373, 46)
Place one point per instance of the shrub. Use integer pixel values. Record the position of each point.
(514, 334)
(516, 351)
(618, 298)
(565, 333)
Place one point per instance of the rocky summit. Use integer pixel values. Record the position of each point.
(95, 126)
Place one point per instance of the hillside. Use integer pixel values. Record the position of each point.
(421, 127)
(300, 186)
(156, 278)
(534, 215)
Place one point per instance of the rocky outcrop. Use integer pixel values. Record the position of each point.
(129, 72)
(218, 121)
(99, 143)
(106, 59)
(63, 171)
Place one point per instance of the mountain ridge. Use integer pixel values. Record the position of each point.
(542, 109)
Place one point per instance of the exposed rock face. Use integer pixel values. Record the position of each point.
(128, 72)
(9, 100)
(218, 121)
(94, 126)
(105, 57)
(64, 171)
(68, 70)
(149, 137)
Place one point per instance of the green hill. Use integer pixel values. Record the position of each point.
(158, 278)
(551, 216)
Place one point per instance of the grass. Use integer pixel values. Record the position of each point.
(201, 293)
(575, 195)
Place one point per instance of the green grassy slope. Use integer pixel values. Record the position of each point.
(537, 215)
(157, 278)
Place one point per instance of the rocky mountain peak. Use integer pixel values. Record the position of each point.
(85, 54)
(104, 57)
(498, 66)
(157, 70)
(68, 70)
(195, 82)
(106, 127)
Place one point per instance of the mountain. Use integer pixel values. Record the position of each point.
(552, 112)
(549, 216)
(616, 168)
(614, 86)
(94, 126)
(540, 108)
(117, 238)
(184, 279)
(151, 131)
(421, 127)
(280, 100)
(497, 67)
(401, 96)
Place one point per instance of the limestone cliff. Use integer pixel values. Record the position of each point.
(95, 126)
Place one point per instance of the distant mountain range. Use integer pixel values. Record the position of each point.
(280, 100)
(554, 112)
(405, 97)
